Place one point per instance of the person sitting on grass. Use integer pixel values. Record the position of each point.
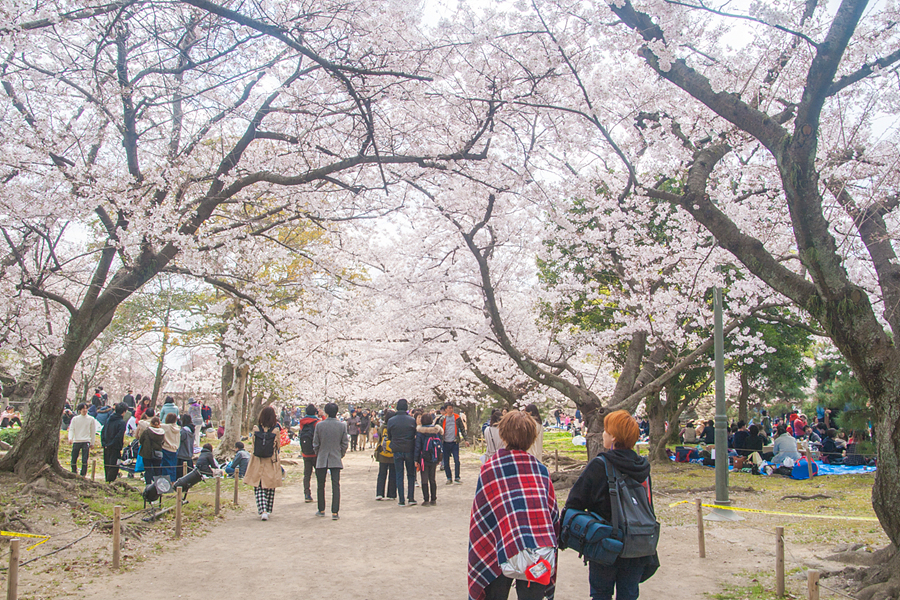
(206, 462)
(239, 462)
(754, 442)
(832, 449)
(785, 447)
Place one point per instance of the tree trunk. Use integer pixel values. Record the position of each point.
(593, 416)
(744, 398)
(886, 492)
(245, 408)
(234, 404)
(160, 366)
(38, 442)
(656, 413)
(259, 402)
(473, 427)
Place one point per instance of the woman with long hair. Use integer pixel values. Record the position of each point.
(264, 472)
(142, 404)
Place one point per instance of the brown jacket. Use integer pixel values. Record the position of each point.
(265, 472)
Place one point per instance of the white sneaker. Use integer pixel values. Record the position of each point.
(264, 516)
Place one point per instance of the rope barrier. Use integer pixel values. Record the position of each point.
(783, 514)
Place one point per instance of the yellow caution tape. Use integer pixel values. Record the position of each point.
(26, 535)
(772, 512)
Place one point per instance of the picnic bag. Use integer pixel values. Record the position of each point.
(263, 443)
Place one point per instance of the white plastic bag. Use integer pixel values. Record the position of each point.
(516, 566)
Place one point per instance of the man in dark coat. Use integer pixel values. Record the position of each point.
(113, 439)
(401, 431)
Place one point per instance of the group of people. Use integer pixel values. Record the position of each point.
(832, 445)
(514, 509)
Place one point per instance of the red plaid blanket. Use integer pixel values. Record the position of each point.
(514, 508)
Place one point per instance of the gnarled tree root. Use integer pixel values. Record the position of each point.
(880, 578)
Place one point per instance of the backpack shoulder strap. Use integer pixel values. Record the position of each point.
(611, 475)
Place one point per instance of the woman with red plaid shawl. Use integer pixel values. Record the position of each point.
(514, 510)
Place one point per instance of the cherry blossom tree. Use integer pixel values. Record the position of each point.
(775, 130)
(140, 137)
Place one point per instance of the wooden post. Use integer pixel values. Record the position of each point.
(812, 584)
(557, 460)
(218, 493)
(93, 469)
(183, 469)
(809, 463)
(700, 535)
(117, 533)
(779, 562)
(178, 512)
(235, 487)
(12, 578)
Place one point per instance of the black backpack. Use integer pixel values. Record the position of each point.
(306, 438)
(632, 513)
(264, 443)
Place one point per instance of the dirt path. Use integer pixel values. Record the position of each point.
(376, 551)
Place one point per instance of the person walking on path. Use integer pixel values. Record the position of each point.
(454, 433)
(113, 440)
(401, 431)
(385, 457)
(591, 492)
(330, 442)
(353, 429)
(514, 511)
(365, 422)
(265, 472)
(427, 456)
(307, 430)
(82, 430)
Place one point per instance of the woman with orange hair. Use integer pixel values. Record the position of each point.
(591, 492)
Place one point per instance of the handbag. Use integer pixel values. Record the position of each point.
(285, 438)
(157, 455)
(591, 536)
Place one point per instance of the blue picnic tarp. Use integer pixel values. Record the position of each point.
(824, 469)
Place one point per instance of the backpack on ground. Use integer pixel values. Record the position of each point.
(264, 443)
(433, 449)
(632, 513)
(685, 454)
(306, 438)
